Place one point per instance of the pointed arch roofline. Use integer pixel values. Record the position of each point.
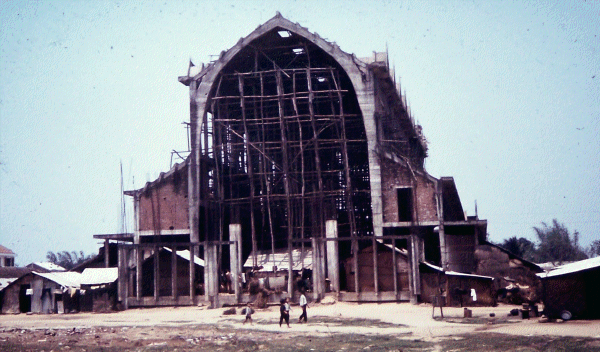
(346, 60)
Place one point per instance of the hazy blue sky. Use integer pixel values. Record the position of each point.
(508, 94)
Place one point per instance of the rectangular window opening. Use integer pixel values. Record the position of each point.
(405, 204)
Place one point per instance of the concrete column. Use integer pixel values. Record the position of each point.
(375, 268)
(318, 266)
(415, 276)
(121, 281)
(129, 275)
(137, 251)
(156, 274)
(211, 275)
(106, 253)
(139, 257)
(235, 235)
(194, 166)
(315, 270)
(333, 262)
(192, 272)
(323, 270)
(174, 273)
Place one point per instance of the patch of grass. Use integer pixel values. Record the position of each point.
(493, 342)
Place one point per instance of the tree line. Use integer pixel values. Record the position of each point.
(67, 260)
(555, 244)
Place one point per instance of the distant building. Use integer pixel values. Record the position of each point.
(45, 267)
(7, 257)
(572, 290)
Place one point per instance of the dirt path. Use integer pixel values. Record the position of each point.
(341, 317)
(337, 327)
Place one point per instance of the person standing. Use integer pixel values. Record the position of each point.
(303, 304)
(248, 311)
(284, 309)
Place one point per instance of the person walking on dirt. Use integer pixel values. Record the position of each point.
(248, 311)
(303, 304)
(284, 309)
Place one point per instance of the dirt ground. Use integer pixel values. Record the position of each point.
(337, 327)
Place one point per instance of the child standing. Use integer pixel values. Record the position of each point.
(284, 309)
(248, 311)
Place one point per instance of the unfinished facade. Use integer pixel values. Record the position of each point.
(297, 145)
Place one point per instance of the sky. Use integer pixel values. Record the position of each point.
(507, 92)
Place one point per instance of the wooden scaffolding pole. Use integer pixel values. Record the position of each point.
(250, 166)
(286, 181)
(264, 169)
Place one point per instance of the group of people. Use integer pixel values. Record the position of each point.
(284, 310)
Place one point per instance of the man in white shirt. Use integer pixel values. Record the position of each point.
(303, 304)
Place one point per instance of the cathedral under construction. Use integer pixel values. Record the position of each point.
(305, 165)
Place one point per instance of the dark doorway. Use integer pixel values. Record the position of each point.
(24, 299)
(405, 204)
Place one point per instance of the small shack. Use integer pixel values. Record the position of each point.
(458, 289)
(99, 289)
(572, 290)
(54, 292)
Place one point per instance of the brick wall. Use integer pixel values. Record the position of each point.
(164, 206)
(394, 176)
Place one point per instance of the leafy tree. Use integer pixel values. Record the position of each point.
(594, 250)
(557, 244)
(521, 247)
(67, 260)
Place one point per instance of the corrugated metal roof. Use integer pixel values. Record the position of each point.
(281, 260)
(65, 279)
(185, 254)
(49, 266)
(456, 273)
(6, 281)
(99, 276)
(573, 267)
